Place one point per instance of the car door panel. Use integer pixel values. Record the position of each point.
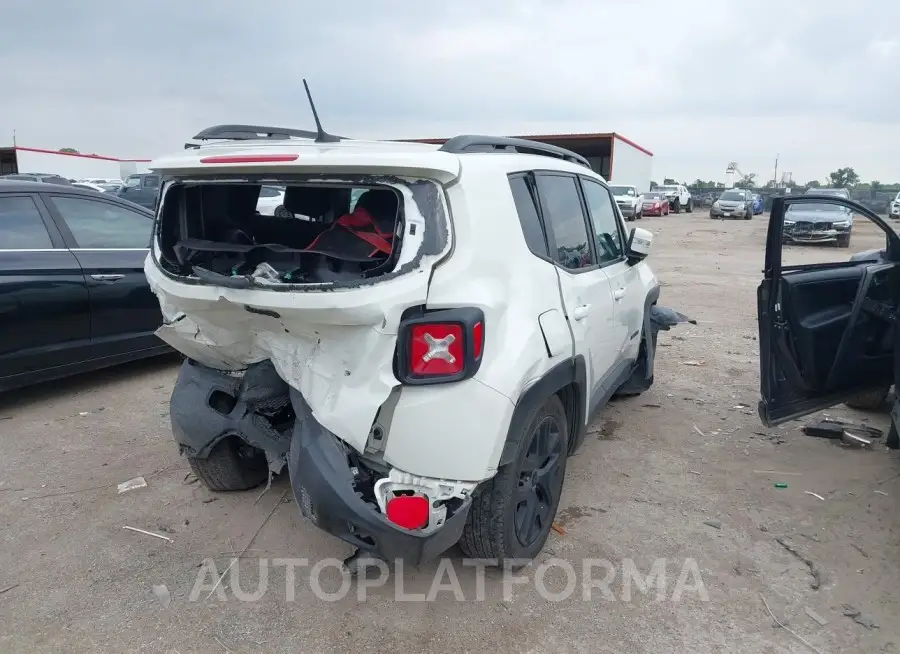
(827, 331)
(124, 312)
(44, 306)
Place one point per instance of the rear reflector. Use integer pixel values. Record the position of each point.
(436, 349)
(408, 511)
(249, 158)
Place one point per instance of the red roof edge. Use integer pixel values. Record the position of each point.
(82, 156)
(632, 144)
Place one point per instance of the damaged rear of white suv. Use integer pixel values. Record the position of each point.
(416, 337)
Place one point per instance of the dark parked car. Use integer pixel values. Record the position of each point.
(73, 295)
(47, 178)
(142, 189)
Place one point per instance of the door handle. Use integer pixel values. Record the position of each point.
(106, 278)
(581, 312)
(618, 294)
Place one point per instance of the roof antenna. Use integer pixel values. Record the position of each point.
(321, 135)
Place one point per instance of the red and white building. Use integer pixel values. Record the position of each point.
(71, 165)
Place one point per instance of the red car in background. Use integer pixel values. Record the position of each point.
(655, 204)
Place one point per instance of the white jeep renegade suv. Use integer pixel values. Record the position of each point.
(422, 351)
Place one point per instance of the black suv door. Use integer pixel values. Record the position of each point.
(44, 309)
(826, 330)
(111, 241)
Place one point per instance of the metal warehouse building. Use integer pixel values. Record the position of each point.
(615, 157)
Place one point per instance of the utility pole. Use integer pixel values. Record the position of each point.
(14, 138)
(775, 178)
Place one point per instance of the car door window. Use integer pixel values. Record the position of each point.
(21, 226)
(564, 217)
(133, 182)
(100, 225)
(607, 234)
(151, 182)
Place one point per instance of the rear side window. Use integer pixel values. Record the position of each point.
(103, 225)
(151, 181)
(21, 227)
(564, 218)
(269, 192)
(528, 215)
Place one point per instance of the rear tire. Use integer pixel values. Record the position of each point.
(511, 516)
(690, 206)
(232, 465)
(871, 400)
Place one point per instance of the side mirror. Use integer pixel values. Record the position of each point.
(638, 246)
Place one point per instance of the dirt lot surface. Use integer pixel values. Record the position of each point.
(679, 473)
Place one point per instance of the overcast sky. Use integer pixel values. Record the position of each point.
(698, 82)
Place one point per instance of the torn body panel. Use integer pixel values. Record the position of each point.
(333, 343)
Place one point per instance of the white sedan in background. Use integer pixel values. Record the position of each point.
(270, 198)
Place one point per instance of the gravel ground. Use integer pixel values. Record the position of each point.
(673, 475)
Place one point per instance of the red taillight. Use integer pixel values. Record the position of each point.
(477, 339)
(408, 511)
(436, 349)
(249, 158)
(439, 346)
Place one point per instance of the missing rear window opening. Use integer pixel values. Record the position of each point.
(224, 232)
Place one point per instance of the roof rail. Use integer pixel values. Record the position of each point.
(253, 132)
(474, 143)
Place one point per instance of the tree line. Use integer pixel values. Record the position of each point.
(841, 178)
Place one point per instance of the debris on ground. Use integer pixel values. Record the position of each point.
(881, 493)
(693, 363)
(787, 629)
(697, 429)
(780, 484)
(161, 592)
(189, 479)
(715, 524)
(813, 570)
(8, 588)
(854, 440)
(815, 616)
(834, 429)
(132, 484)
(210, 499)
(558, 529)
(147, 533)
(859, 617)
(816, 495)
(859, 549)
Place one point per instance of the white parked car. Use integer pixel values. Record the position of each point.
(420, 388)
(628, 199)
(895, 207)
(90, 185)
(679, 197)
(270, 199)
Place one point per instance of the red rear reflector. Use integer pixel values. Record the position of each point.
(477, 339)
(249, 158)
(436, 349)
(408, 511)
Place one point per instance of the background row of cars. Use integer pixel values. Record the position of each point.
(675, 198)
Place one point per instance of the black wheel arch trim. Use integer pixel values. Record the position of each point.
(571, 371)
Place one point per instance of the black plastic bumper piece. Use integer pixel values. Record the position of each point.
(208, 405)
(323, 487)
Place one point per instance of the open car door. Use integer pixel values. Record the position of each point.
(826, 330)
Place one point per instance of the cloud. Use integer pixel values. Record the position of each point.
(699, 82)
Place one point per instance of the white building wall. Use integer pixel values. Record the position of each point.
(630, 165)
(74, 166)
